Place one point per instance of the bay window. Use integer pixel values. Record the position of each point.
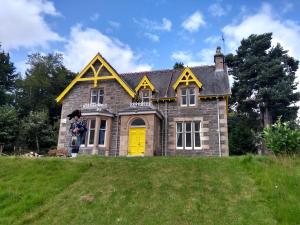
(102, 132)
(188, 135)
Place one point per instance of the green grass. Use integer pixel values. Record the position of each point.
(93, 190)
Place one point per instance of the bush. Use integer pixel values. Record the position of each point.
(282, 138)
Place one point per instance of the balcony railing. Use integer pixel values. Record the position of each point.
(140, 104)
(94, 106)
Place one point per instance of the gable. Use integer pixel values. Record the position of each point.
(187, 77)
(145, 83)
(98, 69)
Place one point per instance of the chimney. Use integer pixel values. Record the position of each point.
(219, 60)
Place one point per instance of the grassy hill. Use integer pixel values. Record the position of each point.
(93, 190)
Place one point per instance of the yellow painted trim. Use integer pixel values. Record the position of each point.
(95, 78)
(145, 82)
(187, 78)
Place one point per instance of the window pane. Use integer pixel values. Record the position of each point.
(94, 92)
(83, 139)
(179, 140)
(197, 140)
(91, 140)
(197, 126)
(101, 137)
(100, 99)
(183, 92)
(94, 99)
(188, 140)
(103, 124)
(101, 91)
(138, 122)
(188, 126)
(179, 127)
(192, 99)
(145, 94)
(93, 124)
(183, 100)
(192, 91)
(145, 100)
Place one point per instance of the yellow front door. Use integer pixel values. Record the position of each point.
(137, 140)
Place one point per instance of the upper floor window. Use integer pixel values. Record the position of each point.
(188, 97)
(146, 95)
(97, 96)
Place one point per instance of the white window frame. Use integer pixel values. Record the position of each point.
(190, 132)
(89, 133)
(92, 95)
(194, 135)
(188, 97)
(182, 137)
(105, 130)
(149, 97)
(100, 95)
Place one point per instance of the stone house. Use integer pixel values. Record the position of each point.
(165, 112)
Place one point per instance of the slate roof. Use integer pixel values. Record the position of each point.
(214, 83)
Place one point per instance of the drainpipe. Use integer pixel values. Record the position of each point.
(219, 132)
(166, 127)
(117, 135)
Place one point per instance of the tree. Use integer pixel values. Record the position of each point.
(264, 80)
(36, 132)
(8, 126)
(241, 134)
(178, 65)
(45, 78)
(8, 78)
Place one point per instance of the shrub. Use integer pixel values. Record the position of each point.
(282, 138)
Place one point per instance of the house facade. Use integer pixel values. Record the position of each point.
(166, 112)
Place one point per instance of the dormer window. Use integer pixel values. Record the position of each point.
(146, 95)
(97, 96)
(188, 97)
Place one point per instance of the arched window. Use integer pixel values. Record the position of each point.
(138, 122)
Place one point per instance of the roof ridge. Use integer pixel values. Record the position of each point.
(164, 70)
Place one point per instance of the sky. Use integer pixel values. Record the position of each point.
(142, 35)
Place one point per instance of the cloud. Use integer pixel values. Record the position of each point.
(24, 25)
(165, 25)
(218, 9)
(288, 6)
(203, 57)
(83, 45)
(152, 37)
(193, 22)
(114, 24)
(94, 17)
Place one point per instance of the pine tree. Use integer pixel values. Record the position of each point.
(264, 80)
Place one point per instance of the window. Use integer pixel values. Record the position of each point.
(188, 97)
(97, 96)
(102, 132)
(146, 95)
(83, 140)
(138, 122)
(179, 135)
(91, 131)
(188, 135)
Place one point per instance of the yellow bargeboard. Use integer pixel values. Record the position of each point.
(137, 141)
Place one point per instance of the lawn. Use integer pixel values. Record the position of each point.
(157, 190)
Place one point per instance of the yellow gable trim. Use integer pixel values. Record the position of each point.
(186, 77)
(145, 82)
(95, 78)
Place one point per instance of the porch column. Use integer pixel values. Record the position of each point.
(108, 136)
(96, 137)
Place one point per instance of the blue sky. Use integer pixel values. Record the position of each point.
(141, 35)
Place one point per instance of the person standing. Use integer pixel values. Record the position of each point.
(77, 129)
